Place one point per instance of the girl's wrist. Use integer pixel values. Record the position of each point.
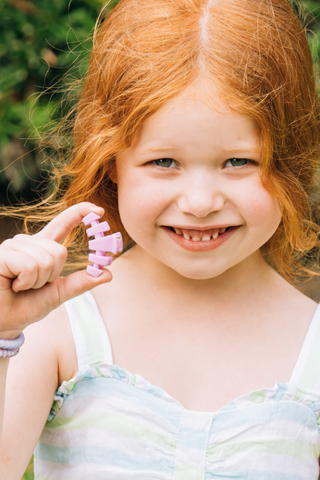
(9, 334)
(10, 347)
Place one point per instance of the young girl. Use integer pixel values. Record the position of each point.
(197, 136)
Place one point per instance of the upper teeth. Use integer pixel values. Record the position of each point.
(205, 238)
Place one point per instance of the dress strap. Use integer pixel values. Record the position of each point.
(89, 331)
(306, 373)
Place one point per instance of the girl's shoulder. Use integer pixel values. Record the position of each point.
(54, 337)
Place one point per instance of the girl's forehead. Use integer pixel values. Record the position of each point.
(201, 91)
(194, 119)
(189, 125)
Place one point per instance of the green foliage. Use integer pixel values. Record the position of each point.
(312, 22)
(40, 40)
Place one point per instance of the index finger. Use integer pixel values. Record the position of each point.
(60, 227)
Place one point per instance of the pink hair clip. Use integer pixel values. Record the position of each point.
(101, 244)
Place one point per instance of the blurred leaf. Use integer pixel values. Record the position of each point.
(40, 41)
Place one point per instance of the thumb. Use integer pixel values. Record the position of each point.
(79, 282)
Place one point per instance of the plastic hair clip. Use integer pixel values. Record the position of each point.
(101, 244)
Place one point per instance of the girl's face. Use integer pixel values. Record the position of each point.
(189, 188)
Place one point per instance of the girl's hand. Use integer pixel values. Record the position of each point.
(30, 268)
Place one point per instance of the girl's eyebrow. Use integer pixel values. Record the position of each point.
(156, 149)
(241, 150)
(252, 149)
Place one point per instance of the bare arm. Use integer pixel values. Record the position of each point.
(31, 288)
(4, 363)
(31, 383)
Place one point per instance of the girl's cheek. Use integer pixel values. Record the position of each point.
(142, 191)
(266, 213)
(259, 202)
(139, 206)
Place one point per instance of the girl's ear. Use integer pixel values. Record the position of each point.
(113, 176)
(112, 173)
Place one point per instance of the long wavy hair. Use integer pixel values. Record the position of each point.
(146, 53)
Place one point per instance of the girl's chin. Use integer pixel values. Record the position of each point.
(196, 271)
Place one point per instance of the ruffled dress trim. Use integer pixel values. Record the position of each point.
(279, 393)
(104, 370)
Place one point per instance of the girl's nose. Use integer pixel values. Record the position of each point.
(201, 195)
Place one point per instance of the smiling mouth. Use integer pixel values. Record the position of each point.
(199, 236)
(203, 240)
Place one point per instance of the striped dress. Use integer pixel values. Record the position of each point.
(108, 424)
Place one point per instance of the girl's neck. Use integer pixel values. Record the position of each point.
(238, 284)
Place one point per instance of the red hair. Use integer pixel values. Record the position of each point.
(148, 52)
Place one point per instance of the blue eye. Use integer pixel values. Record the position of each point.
(237, 162)
(165, 162)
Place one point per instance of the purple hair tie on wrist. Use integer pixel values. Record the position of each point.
(12, 344)
(8, 353)
(10, 348)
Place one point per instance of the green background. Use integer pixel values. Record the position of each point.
(40, 41)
